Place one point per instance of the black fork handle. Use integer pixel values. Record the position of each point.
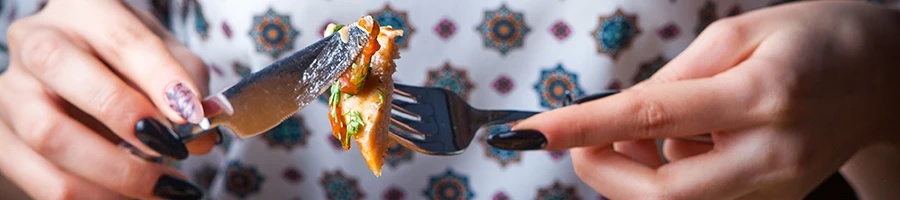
(504, 116)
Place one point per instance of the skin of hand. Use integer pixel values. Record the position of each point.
(788, 93)
(83, 77)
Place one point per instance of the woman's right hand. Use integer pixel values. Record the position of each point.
(84, 77)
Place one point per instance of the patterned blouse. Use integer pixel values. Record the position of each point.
(497, 54)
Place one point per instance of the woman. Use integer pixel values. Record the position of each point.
(789, 94)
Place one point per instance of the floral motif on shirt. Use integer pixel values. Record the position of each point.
(398, 20)
(649, 68)
(394, 193)
(215, 69)
(503, 30)
(287, 134)
(601, 197)
(397, 154)
(240, 69)
(500, 196)
(503, 84)
(445, 28)
(204, 176)
(41, 5)
(340, 187)
(734, 11)
(292, 175)
(615, 33)
(706, 16)
(504, 157)
(200, 24)
(450, 78)
(560, 30)
(557, 155)
(557, 191)
(242, 180)
(669, 31)
(556, 86)
(448, 185)
(226, 29)
(614, 85)
(273, 34)
(185, 8)
(334, 142)
(12, 14)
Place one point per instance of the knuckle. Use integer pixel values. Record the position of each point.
(117, 104)
(43, 50)
(650, 115)
(66, 190)
(108, 99)
(130, 36)
(42, 136)
(727, 31)
(133, 178)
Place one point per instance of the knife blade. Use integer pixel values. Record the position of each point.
(266, 98)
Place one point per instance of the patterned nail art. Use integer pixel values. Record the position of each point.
(185, 102)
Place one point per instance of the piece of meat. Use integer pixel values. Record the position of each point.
(371, 103)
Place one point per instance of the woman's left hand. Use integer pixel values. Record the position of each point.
(788, 93)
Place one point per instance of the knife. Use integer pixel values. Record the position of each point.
(266, 98)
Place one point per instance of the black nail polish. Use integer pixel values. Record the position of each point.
(518, 140)
(159, 138)
(169, 187)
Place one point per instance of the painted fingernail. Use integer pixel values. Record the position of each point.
(159, 138)
(169, 187)
(185, 102)
(518, 140)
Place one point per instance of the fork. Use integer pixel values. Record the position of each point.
(436, 121)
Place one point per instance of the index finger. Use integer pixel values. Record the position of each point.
(675, 109)
(135, 52)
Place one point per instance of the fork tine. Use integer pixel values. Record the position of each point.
(406, 96)
(402, 129)
(410, 144)
(399, 111)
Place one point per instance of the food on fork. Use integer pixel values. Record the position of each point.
(359, 101)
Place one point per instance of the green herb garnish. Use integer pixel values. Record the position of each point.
(337, 28)
(380, 97)
(354, 124)
(360, 80)
(335, 98)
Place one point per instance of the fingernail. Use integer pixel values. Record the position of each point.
(169, 187)
(159, 138)
(185, 102)
(518, 140)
